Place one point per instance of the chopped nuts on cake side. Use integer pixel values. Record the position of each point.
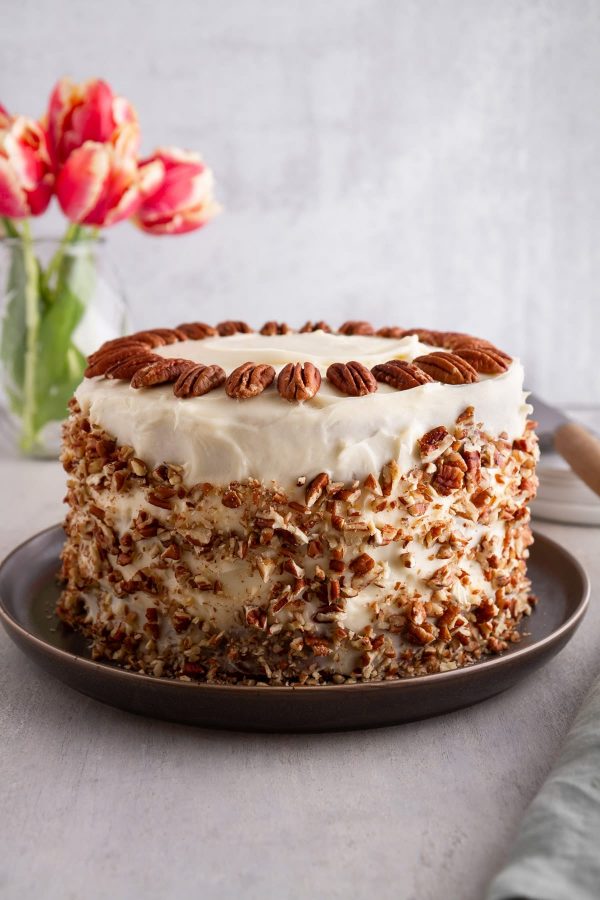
(399, 574)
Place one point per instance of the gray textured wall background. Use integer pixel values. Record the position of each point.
(428, 162)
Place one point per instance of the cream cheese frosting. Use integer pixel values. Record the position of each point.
(217, 439)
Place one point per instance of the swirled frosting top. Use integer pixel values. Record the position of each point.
(218, 439)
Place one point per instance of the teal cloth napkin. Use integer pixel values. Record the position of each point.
(557, 852)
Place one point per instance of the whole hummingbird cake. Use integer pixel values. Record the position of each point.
(297, 507)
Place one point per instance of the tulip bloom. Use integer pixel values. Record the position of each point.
(183, 201)
(26, 177)
(100, 185)
(78, 113)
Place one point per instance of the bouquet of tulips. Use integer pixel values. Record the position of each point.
(84, 151)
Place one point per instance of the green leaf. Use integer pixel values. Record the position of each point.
(60, 364)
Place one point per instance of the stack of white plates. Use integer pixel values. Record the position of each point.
(562, 496)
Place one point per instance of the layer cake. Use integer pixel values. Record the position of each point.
(298, 507)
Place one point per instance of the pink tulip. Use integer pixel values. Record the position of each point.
(89, 111)
(101, 185)
(183, 201)
(26, 177)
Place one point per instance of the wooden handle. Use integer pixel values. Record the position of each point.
(582, 451)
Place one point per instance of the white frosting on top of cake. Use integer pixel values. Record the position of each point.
(217, 439)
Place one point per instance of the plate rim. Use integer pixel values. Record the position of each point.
(416, 681)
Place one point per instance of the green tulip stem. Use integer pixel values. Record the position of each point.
(10, 228)
(32, 323)
(72, 234)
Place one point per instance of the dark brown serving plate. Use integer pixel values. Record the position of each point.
(28, 593)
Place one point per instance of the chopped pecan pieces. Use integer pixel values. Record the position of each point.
(271, 328)
(249, 380)
(390, 474)
(467, 416)
(138, 467)
(229, 327)
(421, 634)
(484, 359)
(180, 619)
(231, 499)
(362, 564)
(447, 368)
(472, 459)
(352, 327)
(352, 378)
(197, 331)
(434, 443)
(316, 488)
(400, 375)
(162, 371)
(198, 380)
(161, 496)
(448, 478)
(256, 617)
(298, 383)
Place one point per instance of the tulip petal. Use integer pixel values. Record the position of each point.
(25, 168)
(90, 111)
(183, 201)
(81, 180)
(151, 175)
(13, 200)
(25, 147)
(120, 195)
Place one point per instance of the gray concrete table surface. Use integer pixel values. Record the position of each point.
(99, 803)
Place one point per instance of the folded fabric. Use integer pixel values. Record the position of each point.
(557, 852)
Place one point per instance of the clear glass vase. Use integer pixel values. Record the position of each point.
(60, 300)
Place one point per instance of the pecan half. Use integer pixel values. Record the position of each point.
(484, 359)
(451, 340)
(400, 375)
(249, 380)
(122, 343)
(133, 362)
(158, 337)
(229, 327)
(163, 371)
(198, 380)
(270, 328)
(391, 331)
(317, 326)
(197, 331)
(447, 368)
(99, 363)
(427, 336)
(352, 378)
(297, 382)
(352, 327)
